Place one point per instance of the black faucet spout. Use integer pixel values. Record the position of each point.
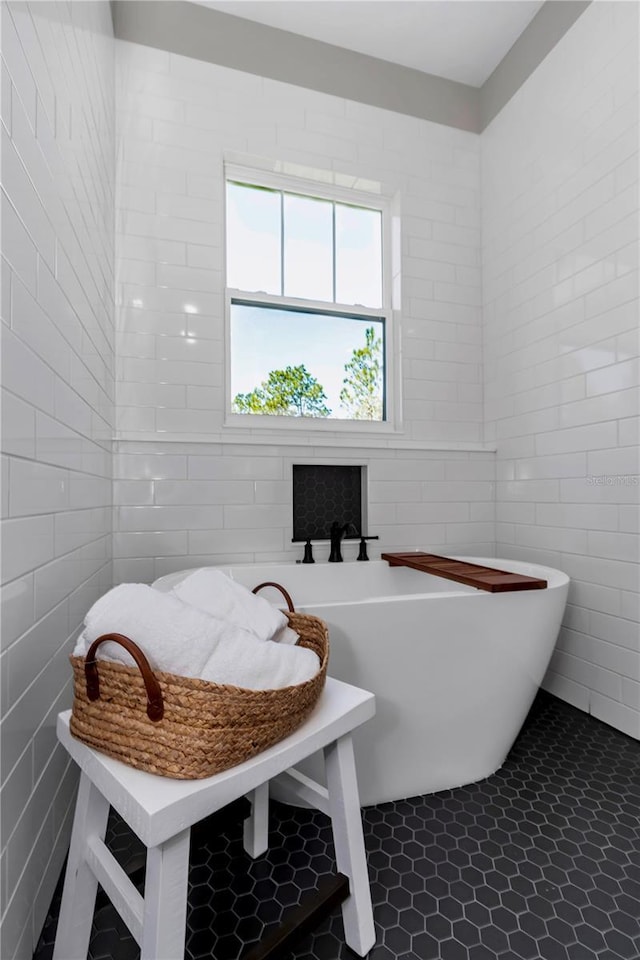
(336, 533)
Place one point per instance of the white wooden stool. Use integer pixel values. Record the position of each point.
(162, 811)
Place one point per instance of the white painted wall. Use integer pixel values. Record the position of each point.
(228, 497)
(57, 416)
(560, 263)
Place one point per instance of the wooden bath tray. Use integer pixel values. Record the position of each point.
(474, 575)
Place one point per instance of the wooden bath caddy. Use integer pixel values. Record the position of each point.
(474, 575)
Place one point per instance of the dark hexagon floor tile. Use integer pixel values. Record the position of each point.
(426, 946)
(495, 939)
(522, 945)
(466, 932)
(561, 931)
(477, 914)
(626, 922)
(426, 904)
(412, 920)
(397, 939)
(450, 908)
(439, 927)
(551, 949)
(621, 944)
(578, 951)
(538, 862)
(453, 950)
(481, 952)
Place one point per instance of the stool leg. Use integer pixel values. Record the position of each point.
(346, 819)
(165, 899)
(256, 826)
(80, 885)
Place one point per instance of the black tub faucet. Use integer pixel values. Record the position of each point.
(336, 533)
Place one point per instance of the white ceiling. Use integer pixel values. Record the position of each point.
(460, 40)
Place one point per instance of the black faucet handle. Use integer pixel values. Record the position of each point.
(362, 554)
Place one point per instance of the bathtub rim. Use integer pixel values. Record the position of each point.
(556, 579)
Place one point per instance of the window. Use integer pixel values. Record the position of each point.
(307, 292)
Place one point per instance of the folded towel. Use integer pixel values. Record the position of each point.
(180, 639)
(212, 591)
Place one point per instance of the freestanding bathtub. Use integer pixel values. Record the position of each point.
(454, 669)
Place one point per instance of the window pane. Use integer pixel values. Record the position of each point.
(358, 256)
(342, 361)
(253, 238)
(308, 248)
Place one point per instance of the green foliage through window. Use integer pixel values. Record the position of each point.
(295, 392)
(290, 392)
(361, 394)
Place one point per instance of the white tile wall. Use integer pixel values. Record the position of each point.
(177, 118)
(560, 232)
(174, 128)
(58, 182)
(181, 505)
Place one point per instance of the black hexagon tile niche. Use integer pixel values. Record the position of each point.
(323, 495)
(541, 861)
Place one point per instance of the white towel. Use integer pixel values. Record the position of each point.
(286, 635)
(180, 639)
(175, 637)
(215, 593)
(269, 666)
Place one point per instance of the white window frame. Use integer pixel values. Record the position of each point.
(325, 191)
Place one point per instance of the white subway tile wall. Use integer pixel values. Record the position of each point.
(177, 504)
(560, 263)
(177, 119)
(58, 345)
(183, 505)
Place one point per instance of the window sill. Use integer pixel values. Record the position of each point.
(309, 426)
(356, 441)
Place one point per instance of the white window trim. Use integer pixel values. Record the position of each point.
(373, 201)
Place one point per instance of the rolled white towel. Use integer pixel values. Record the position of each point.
(266, 666)
(286, 635)
(180, 639)
(176, 637)
(212, 591)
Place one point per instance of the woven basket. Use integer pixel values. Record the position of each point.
(182, 727)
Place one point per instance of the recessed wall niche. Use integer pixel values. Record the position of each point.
(323, 494)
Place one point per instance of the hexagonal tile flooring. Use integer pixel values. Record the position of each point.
(541, 861)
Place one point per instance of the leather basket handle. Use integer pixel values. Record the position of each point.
(155, 705)
(285, 593)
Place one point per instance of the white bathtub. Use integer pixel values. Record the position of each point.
(454, 669)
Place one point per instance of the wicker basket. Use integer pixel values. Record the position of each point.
(182, 727)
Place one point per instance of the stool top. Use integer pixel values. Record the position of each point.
(156, 808)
